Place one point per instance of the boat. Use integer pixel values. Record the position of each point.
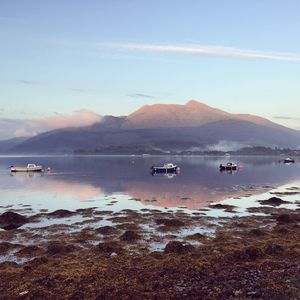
(166, 168)
(29, 168)
(289, 160)
(229, 166)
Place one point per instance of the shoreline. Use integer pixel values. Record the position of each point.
(239, 257)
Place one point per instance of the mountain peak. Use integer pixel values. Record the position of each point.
(192, 114)
(195, 103)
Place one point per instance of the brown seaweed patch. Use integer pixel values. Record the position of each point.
(176, 247)
(274, 201)
(61, 213)
(265, 210)
(89, 221)
(130, 236)
(30, 251)
(248, 253)
(196, 236)
(169, 222)
(11, 220)
(274, 249)
(84, 236)
(128, 226)
(226, 207)
(107, 230)
(110, 247)
(6, 247)
(122, 219)
(86, 212)
(103, 212)
(256, 232)
(286, 218)
(60, 248)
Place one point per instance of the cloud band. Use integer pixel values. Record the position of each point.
(205, 51)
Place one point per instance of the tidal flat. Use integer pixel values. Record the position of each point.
(151, 254)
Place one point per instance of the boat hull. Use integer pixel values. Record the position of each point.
(289, 161)
(20, 169)
(225, 168)
(164, 170)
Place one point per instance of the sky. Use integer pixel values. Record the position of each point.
(70, 62)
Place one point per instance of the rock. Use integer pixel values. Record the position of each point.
(6, 247)
(227, 207)
(253, 252)
(170, 222)
(284, 218)
(178, 248)
(274, 249)
(10, 220)
(274, 201)
(196, 236)
(61, 213)
(57, 247)
(250, 253)
(256, 232)
(106, 230)
(39, 260)
(129, 236)
(110, 248)
(29, 251)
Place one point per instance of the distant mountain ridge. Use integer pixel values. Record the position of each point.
(163, 128)
(192, 114)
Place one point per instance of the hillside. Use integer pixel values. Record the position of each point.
(162, 128)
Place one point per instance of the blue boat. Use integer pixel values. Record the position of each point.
(166, 168)
(229, 167)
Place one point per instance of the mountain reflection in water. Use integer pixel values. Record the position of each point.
(199, 183)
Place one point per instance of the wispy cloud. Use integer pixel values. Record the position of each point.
(140, 96)
(203, 51)
(286, 118)
(29, 127)
(23, 81)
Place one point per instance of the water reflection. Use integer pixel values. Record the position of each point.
(199, 183)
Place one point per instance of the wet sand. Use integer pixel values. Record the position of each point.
(151, 254)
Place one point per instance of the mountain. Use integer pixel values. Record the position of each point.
(191, 114)
(162, 128)
(6, 145)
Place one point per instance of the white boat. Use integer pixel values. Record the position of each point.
(166, 168)
(29, 168)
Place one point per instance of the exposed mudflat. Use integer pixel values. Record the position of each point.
(151, 254)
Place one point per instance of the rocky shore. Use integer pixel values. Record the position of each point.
(151, 254)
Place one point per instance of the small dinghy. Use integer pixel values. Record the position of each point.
(229, 166)
(289, 160)
(29, 168)
(166, 168)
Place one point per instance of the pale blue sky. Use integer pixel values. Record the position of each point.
(111, 57)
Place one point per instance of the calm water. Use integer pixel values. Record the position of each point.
(113, 182)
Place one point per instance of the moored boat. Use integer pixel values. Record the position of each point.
(166, 168)
(289, 160)
(228, 166)
(29, 168)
